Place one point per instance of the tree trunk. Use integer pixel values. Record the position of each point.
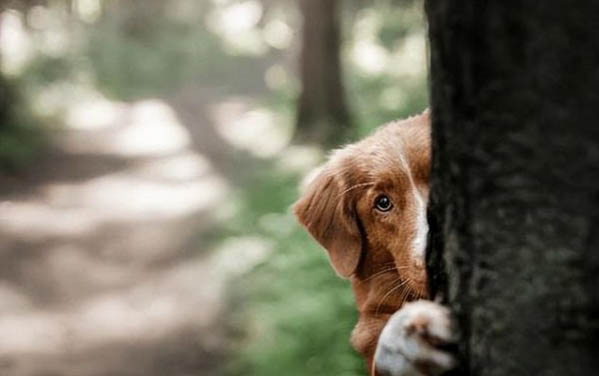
(515, 183)
(322, 113)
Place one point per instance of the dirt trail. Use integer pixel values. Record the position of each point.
(104, 268)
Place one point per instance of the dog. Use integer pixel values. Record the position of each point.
(367, 207)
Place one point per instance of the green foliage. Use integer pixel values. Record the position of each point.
(366, 98)
(400, 18)
(44, 70)
(128, 66)
(298, 314)
(20, 134)
(376, 99)
(162, 57)
(295, 314)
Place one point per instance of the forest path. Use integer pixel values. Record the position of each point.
(106, 267)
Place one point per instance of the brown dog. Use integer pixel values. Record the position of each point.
(367, 208)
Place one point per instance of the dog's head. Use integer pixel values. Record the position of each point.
(367, 205)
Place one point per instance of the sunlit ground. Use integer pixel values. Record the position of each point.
(94, 243)
(124, 243)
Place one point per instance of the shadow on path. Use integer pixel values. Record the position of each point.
(105, 267)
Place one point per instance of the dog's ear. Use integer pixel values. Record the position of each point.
(328, 214)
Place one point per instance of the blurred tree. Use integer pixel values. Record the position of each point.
(322, 114)
(515, 182)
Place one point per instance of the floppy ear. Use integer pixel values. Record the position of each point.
(331, 219)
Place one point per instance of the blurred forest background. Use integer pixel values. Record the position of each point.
(149, 153)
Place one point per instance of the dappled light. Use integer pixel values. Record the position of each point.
(155, 305)
(236, 24)
(407, 58)
(367, 52)
(277, 78)
(278, 34)
(88, 10)
(150, 233)
(96, 113)
(258, 130)
(300, 159)
(152, 128)
(15, 43)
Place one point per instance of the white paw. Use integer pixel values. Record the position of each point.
(412, 340)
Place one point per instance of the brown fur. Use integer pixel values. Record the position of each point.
(373, 248)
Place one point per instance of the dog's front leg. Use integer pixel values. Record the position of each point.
(412, 341)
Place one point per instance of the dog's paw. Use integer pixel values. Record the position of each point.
(414, 341)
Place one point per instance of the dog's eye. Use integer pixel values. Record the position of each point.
(383, 203)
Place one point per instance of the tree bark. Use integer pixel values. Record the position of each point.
(322, 112)
(514, 212)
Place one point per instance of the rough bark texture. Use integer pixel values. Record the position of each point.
(515, 191)
(322, 115)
